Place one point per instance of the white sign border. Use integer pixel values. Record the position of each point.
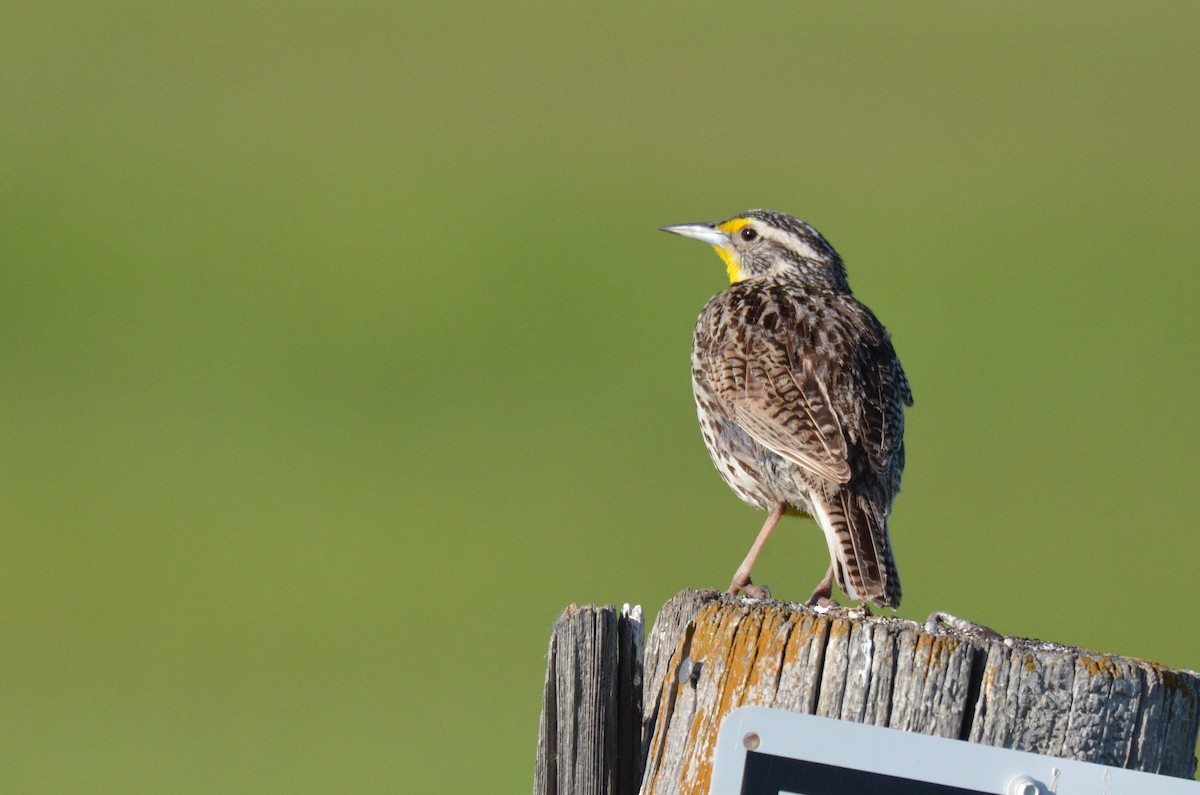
(937, 760)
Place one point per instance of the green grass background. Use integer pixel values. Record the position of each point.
(340, 351)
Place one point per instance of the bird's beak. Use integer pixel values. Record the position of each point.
(706, 232)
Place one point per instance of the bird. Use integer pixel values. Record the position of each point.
(801, 398)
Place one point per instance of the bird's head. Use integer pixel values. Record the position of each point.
(762, 243)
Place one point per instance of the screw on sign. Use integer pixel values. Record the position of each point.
(773, 752)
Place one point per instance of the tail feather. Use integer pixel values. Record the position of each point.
(856, 531)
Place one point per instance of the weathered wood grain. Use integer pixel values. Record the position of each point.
(709, 653)
(589, 741)
(972, 685)
(670, 626)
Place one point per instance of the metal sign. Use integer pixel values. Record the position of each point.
(764, 751)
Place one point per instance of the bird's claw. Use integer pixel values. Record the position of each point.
(741, 585)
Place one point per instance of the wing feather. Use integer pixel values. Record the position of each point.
(786, 410)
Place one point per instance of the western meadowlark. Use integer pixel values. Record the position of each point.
(801, 397)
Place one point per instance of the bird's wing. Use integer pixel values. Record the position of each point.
(885, 391)
(785, 408)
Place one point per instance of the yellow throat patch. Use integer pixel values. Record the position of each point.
(731, 266)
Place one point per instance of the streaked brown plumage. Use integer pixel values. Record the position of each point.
(801, 397)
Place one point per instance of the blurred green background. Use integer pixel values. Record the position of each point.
(340, 351)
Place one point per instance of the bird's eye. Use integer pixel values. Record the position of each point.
(748, 233)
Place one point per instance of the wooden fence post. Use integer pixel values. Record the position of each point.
(709, 653)
(589, 740)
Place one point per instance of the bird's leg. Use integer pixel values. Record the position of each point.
(824, 590)
(741, 578)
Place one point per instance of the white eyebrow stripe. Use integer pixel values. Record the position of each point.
(793, 242)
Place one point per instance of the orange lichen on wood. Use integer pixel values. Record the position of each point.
(1027, 695)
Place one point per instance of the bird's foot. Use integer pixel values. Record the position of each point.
(822, 595)
(741, 585)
